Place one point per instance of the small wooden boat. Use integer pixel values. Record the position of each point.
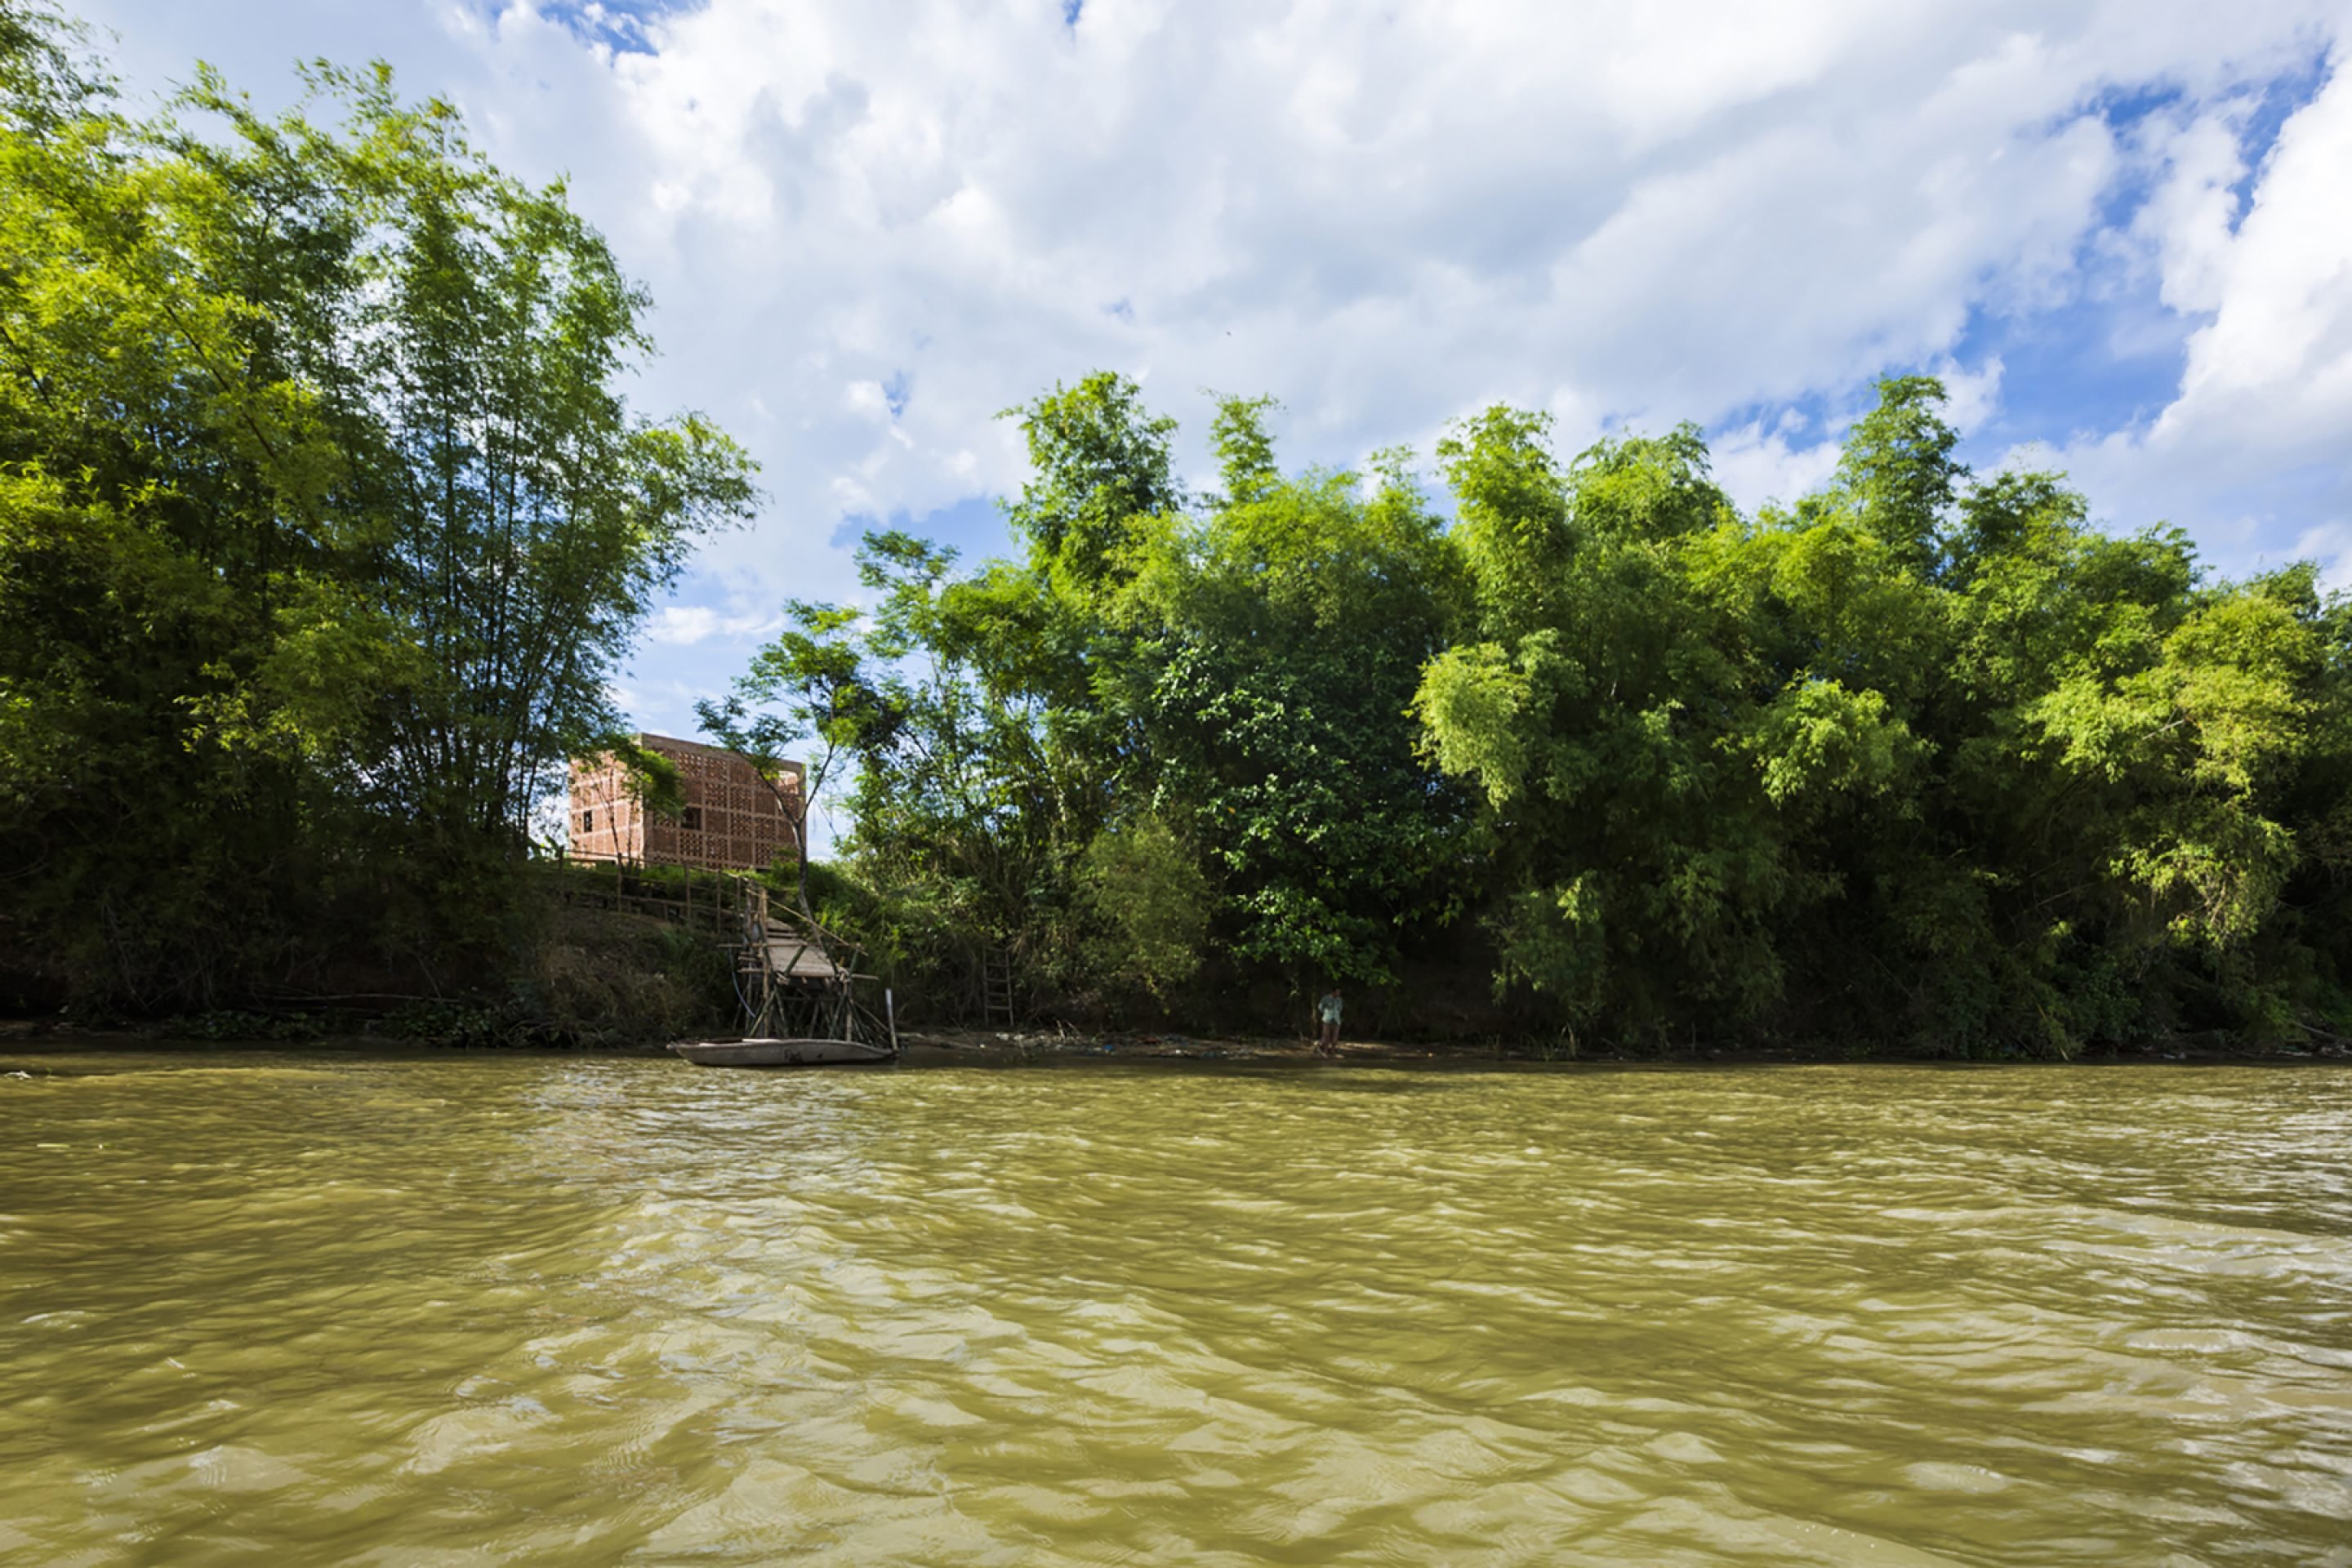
(763, 1053)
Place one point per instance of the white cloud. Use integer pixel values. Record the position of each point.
(870, 227)
(2274, 368)
(2192, 219)
(2331, 546)
(683, 626)
(1973, 394)
(2251, 449)
(1757, 466)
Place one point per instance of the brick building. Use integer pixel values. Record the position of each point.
(729, 820)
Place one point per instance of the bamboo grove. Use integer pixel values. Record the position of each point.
(1925, 763)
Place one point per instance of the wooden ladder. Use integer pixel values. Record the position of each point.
(996, 987)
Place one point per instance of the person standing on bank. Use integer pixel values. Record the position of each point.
(1327, 1010)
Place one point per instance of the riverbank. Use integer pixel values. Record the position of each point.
(1018, 1045)
(945, 1046)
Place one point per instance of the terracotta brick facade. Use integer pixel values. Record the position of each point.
(730, 821)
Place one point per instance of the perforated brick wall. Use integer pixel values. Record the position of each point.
(729, 820)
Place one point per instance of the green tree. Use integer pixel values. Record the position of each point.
(1144, 888)
(1284, 634)
(1607, 714)
(1897, 472)
(321, 529)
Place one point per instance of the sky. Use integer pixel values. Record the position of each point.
(2121, 230)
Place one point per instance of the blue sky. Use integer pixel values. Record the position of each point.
(2118, 228)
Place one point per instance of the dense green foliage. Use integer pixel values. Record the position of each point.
(1168, 746)
(1921, 762)
(321, 529)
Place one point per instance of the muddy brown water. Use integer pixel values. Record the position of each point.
(278, 1309)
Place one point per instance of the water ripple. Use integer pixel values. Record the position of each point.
(434, 1311)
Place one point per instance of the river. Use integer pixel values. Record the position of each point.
(486, 1309)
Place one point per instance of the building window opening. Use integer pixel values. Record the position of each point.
(587, 822)
(691, 818)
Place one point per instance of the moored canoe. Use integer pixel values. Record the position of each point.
(758, 1053)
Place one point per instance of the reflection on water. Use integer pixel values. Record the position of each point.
(491, 1310)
